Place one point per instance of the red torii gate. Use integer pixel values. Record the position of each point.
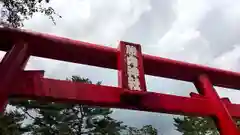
(131, 65)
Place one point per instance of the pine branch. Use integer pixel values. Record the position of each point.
(26, 112)
(80, 119)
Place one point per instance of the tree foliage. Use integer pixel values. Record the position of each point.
(52, 118)
(13, 12)
(145, 130)
(189, 125)
(11, 123)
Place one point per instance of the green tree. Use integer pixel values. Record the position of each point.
(145, 130)
(51, 118)
(11, 123)
(189, 125)
(13, 12)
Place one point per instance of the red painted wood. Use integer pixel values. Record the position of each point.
(224, 120)
(195, 95)
(233, 109)
(44, 45)
(12, 63)
(122, 69)
(224, 100)
(31, 84)
(34, 86)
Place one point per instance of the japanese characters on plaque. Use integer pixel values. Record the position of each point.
(132, 68)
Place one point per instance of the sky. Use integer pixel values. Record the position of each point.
(204, 32)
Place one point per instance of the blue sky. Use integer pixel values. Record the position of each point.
(197, 31)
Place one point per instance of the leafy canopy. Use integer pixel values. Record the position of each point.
(14, 12)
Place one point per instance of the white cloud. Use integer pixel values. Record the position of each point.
(229, 60)
(183, 36)
(104, 21)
